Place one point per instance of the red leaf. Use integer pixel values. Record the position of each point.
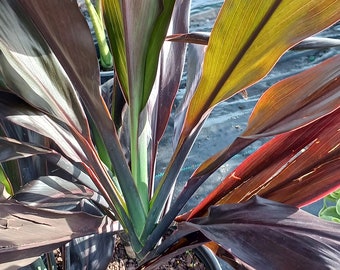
(291, 161)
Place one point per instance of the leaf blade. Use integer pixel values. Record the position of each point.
(278, 165)
(245, 231)
(51, 229)
(286, 23)
(24, 56)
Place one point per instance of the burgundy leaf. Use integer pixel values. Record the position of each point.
(171, 63)
(291, 161)
(53, 192)
(18, 112)
(201, 38)
(11, 149)
(297, 101)
(264, 235)
(26, 231)
(32, 71)
(194, 70)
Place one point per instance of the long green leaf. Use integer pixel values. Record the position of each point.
(106, 60)
(114, 25)
(5, 184)
(145, 25)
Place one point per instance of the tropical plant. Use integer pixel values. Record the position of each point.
(90, 165)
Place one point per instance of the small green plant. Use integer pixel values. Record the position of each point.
(331, 207)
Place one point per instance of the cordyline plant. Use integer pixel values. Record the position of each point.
(90, 164)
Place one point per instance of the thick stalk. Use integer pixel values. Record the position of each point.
(139, 158)
(106, 59)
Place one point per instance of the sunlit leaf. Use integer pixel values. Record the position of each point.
(297, 100)
(296, 168)
(287, 105)
(53, 192)
(25, 58)
(255, 35)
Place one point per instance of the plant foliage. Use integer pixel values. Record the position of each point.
(77, 163)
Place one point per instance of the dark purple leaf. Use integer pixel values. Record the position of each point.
(317, 43)
(71, 42)
(170, 70)
(264, 235)
(31, 70)
(16, 170)
(20, 113)
(194, 70)
(26, 231)
(55, 193)
(12, 150)
(171, 63)
(202, 38)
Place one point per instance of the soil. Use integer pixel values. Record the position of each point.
(122, 261)
(186, 261)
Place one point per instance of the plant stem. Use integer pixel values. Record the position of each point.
(139, 157)
(106, 59)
